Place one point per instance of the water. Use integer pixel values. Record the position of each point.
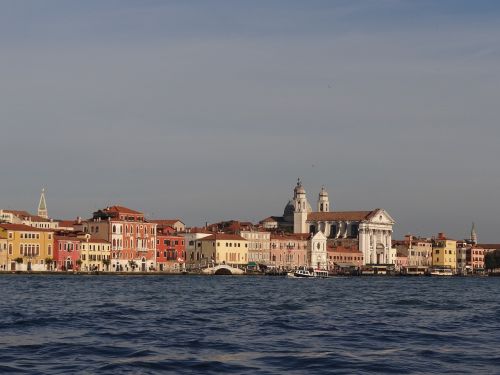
(248, 325)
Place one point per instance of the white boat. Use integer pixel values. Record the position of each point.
(441, 272)
(309, 273)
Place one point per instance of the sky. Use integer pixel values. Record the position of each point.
(211, 110)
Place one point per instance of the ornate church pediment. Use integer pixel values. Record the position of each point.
(380, 216)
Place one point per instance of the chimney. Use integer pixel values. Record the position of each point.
(441, 236)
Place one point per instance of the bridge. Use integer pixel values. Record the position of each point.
(222, 269)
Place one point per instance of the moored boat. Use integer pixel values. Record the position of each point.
(441, 272)
(310, 273)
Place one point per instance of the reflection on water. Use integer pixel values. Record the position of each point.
(189, 324)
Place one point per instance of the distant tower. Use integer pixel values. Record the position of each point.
(473, 235)
(323, 203)
(301, 208)
(42, 206)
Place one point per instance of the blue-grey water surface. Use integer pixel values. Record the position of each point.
(248, 325)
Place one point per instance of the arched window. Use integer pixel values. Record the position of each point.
(114, 228)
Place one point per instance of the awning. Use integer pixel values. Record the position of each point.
(345, 265)
(252, 264)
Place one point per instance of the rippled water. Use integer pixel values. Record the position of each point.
(265, 325)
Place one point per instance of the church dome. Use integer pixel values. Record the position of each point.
(289, 209)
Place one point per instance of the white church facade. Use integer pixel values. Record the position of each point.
(372, 230)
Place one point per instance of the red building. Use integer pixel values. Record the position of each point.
(66, 253)
(132, 237)
(170, 249)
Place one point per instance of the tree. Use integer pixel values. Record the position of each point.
(79, 263)
(48, 262)
(132, 264)
(492, 260)
(106, 262)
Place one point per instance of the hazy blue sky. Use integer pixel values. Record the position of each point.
(210, 110)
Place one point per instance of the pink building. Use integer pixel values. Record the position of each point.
(289, 251)
(475, 259)
(66, 253)
(401, 261)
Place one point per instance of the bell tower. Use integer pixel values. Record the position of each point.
(301, 208)
(323, 202)
(42, 206)
(473, 235)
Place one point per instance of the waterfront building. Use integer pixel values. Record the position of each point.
(132, 237)
(170, 249)
(194, 255)
(28, 248)
(3, 254)
(417, 250)
(401, 261)
(462, 249)
(67, 253)
(95, 254)
(372, 229)
(259, 246)
(289, 250)
(343, 255)
(444, 252)
(475, 259)
(223, 248)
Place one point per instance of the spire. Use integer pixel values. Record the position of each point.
(473, 234)
(42, 206)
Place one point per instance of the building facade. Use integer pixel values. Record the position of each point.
(28, 248)
(222, 248)
(259, 246)
(289, 251)
(132, 237)
(170, 250)
(444, 252)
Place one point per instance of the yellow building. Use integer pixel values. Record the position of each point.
(222, 248)
(3, 254)
(444, 253)
(27, 247)
(95, 254)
